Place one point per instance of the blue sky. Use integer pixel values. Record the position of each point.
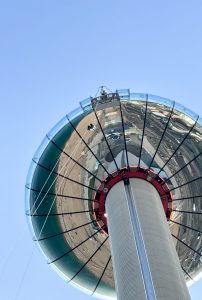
(53, 54)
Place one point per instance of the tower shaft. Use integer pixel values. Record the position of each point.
(145, 262)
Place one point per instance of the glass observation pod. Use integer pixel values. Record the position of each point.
(115, 134)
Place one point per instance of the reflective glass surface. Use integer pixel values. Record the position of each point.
(105, 134)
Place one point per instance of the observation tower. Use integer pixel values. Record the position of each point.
(113, 197)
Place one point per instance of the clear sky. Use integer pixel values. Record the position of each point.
(54, 54)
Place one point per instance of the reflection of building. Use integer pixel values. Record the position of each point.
(84, 184)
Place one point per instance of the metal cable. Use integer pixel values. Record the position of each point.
(89, 259)
(72, 249)
(62, 151)
(144, 124)
(66, 231)
(98, 121)
(101, 275)
(124, 136)
(185, 137)
(87, 146)
(183, 225)
(195, 251)
(183, 167)
(179, 186)
(162, 135)
(61, 195)
(59, 214)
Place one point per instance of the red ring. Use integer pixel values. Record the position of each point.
(124, 174)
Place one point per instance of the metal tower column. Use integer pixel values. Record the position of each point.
(145, 262)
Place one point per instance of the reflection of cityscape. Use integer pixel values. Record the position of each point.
(110, 131)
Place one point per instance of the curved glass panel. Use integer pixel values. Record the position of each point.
(186, 111)
(124, 94)
(160, 100)
(75, 113)
(27, 208)
(200, 120)
(27, 197)
(138, 96)
(64, 121)
(30, 173)
(41, 149)
(86, 104)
